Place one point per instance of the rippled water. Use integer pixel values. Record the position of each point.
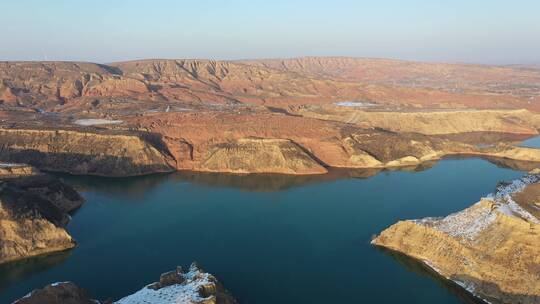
(269, 239)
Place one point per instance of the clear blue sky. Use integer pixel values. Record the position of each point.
(479, 31)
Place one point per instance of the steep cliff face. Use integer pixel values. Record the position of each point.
(255, 142)
(192, 286)
(34, 210)
(82, 152)
(490, 249)
(257, 155)
(274, 143)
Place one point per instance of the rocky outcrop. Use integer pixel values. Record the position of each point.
(58, 293)
(82, 152)
(490, 249)
(11, 170)
(34, 211)
(193, 286)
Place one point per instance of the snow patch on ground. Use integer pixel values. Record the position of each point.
(186, 292)
(96, 122)
(11, 165)
(470, 222)
(503, 197)
(464, 224)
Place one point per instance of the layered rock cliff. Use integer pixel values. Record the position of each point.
(490, 249)
(192, 286)
(257, 155)
(256, 142)
(34, 211)
(82, 152)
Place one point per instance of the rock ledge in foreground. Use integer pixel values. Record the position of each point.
(193, 286)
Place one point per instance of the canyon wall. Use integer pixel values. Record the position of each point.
(82, 152)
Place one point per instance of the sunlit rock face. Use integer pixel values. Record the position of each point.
(492, 249)
(34, 211)
(83, 152)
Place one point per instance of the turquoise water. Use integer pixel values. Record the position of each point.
(531, 142)
(269, 239)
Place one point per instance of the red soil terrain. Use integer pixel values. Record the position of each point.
(277, 116)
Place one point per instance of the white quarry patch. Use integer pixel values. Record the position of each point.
(96, 122)
(186, 292)
(355, 104)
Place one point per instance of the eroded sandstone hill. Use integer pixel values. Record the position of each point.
(233, 142)
(490, 249)
(191, 286)
(83, 152)
(296, 116)
(478, 85)
(34, 210)
(59, 85)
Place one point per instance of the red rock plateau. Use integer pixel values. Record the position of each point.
(293, 116)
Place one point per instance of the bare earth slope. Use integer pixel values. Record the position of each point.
(490, 249)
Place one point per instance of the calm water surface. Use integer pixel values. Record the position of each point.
(269, 239)
(532, 142)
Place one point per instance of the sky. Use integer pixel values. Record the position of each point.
(467, 31)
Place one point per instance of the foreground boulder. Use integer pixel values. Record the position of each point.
(62, 292)
(34, 211)
(491, 249)
(193, 286)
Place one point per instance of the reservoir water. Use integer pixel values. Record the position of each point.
(269, 239)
